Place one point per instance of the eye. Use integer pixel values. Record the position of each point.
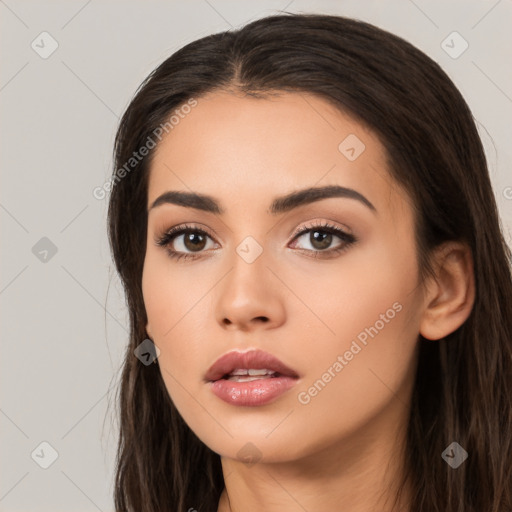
(188, 242)
(321, 237)
(184, 238)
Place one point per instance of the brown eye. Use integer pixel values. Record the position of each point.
(184, 241)
(321, 238)
(194, 241)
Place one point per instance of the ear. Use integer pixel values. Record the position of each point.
(450, 296)
(148, 331)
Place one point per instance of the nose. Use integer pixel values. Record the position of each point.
(250, 297)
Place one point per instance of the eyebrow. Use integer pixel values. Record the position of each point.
(279, 205)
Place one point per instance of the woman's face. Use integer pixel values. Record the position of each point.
(341, 310)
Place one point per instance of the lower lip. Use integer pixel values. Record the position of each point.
(253, 393)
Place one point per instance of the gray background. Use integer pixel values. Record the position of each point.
(64, 323)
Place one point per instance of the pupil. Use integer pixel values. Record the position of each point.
(322, 241)
(191, 241)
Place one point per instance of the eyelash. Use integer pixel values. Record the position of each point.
(173, 233)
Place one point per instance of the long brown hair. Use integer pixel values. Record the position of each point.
(464, 382)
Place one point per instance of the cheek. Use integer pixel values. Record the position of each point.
(349, 294)
(172, 294)
(372, 306)
(176, 305)
(170, 315)
(167, 299)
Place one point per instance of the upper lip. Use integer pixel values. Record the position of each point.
(255, 359)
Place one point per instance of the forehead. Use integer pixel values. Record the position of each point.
(242, 148)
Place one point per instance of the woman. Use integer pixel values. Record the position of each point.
(305, 228)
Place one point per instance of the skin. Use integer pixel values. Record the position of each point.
(346, 444)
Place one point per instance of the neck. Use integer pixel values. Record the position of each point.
(360, 474)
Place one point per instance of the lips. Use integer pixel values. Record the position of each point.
(250, 379)
(239, 364)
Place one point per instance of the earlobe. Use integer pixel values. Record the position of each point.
(148, 332)
(450, 296)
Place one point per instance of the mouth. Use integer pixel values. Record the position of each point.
(248, 366)
(250, 374)
(250, 378)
